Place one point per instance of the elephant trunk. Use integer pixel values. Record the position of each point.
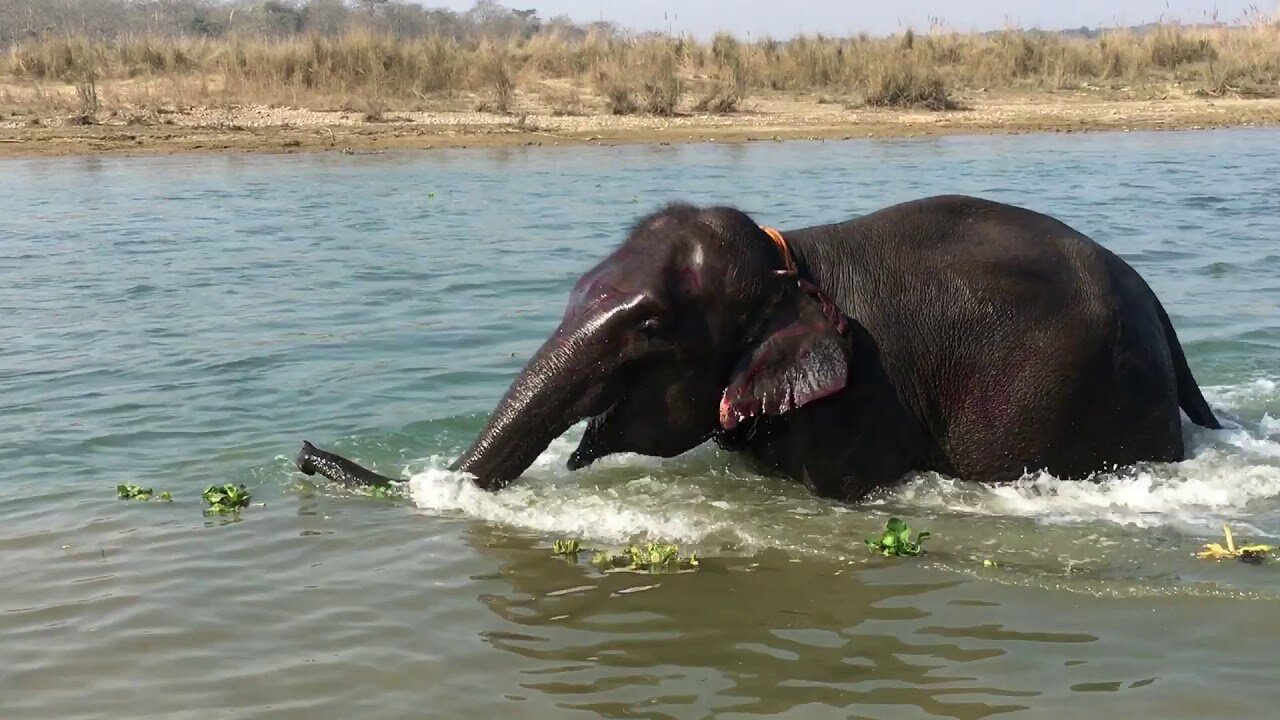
(312, 460)
(542, 403)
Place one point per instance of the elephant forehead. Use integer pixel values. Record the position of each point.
(690, 271)
(603, 282)
(600, 296)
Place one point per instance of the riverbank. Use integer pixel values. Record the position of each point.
(262, 128)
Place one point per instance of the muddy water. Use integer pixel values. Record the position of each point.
(176, 322)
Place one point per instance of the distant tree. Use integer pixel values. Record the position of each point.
(325, 17)
(371, 6)
(491, 19)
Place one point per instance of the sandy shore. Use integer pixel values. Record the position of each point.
(276, 129)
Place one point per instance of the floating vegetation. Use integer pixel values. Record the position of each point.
(1253, 554)
(381, 491)
(896, 540)
(566, 547)
(225, 499)
(135, 492)
(653, 557)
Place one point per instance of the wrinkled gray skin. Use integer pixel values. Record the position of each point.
(972, 338)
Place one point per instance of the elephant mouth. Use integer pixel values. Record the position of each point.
(592, 446)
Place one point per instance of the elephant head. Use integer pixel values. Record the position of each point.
(697, 321)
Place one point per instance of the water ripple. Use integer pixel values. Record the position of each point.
(181, 321)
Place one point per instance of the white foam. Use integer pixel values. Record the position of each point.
(1205, 492)
(545, 499)
(1259, 390)
(1232, 475)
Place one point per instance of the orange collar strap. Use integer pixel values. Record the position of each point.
(789, 268)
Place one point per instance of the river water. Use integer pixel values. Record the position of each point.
(181, 321)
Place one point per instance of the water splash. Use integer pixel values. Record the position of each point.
(1195, 496)
(641, 502)
(1232, 475)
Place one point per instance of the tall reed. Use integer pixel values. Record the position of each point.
(639, 74)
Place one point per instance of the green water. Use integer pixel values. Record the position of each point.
(176, 322)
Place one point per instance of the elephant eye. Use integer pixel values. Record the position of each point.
(650, 327)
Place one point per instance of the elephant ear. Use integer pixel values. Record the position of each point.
(801, 356)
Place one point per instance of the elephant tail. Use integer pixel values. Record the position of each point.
(1189, 396)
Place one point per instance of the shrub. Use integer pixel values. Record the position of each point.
(904, 86)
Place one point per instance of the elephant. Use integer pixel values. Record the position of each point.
(950, 334)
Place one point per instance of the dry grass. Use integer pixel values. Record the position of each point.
(603, 71)
(908, 86)
(494, 70)
(730, 84)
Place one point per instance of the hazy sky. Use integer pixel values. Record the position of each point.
(784, 18)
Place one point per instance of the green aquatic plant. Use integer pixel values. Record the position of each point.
(226, 499)
(652, 554)
(651, 557)
(566, 547)
(382, 491)
(135, 492)
(896, 540)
